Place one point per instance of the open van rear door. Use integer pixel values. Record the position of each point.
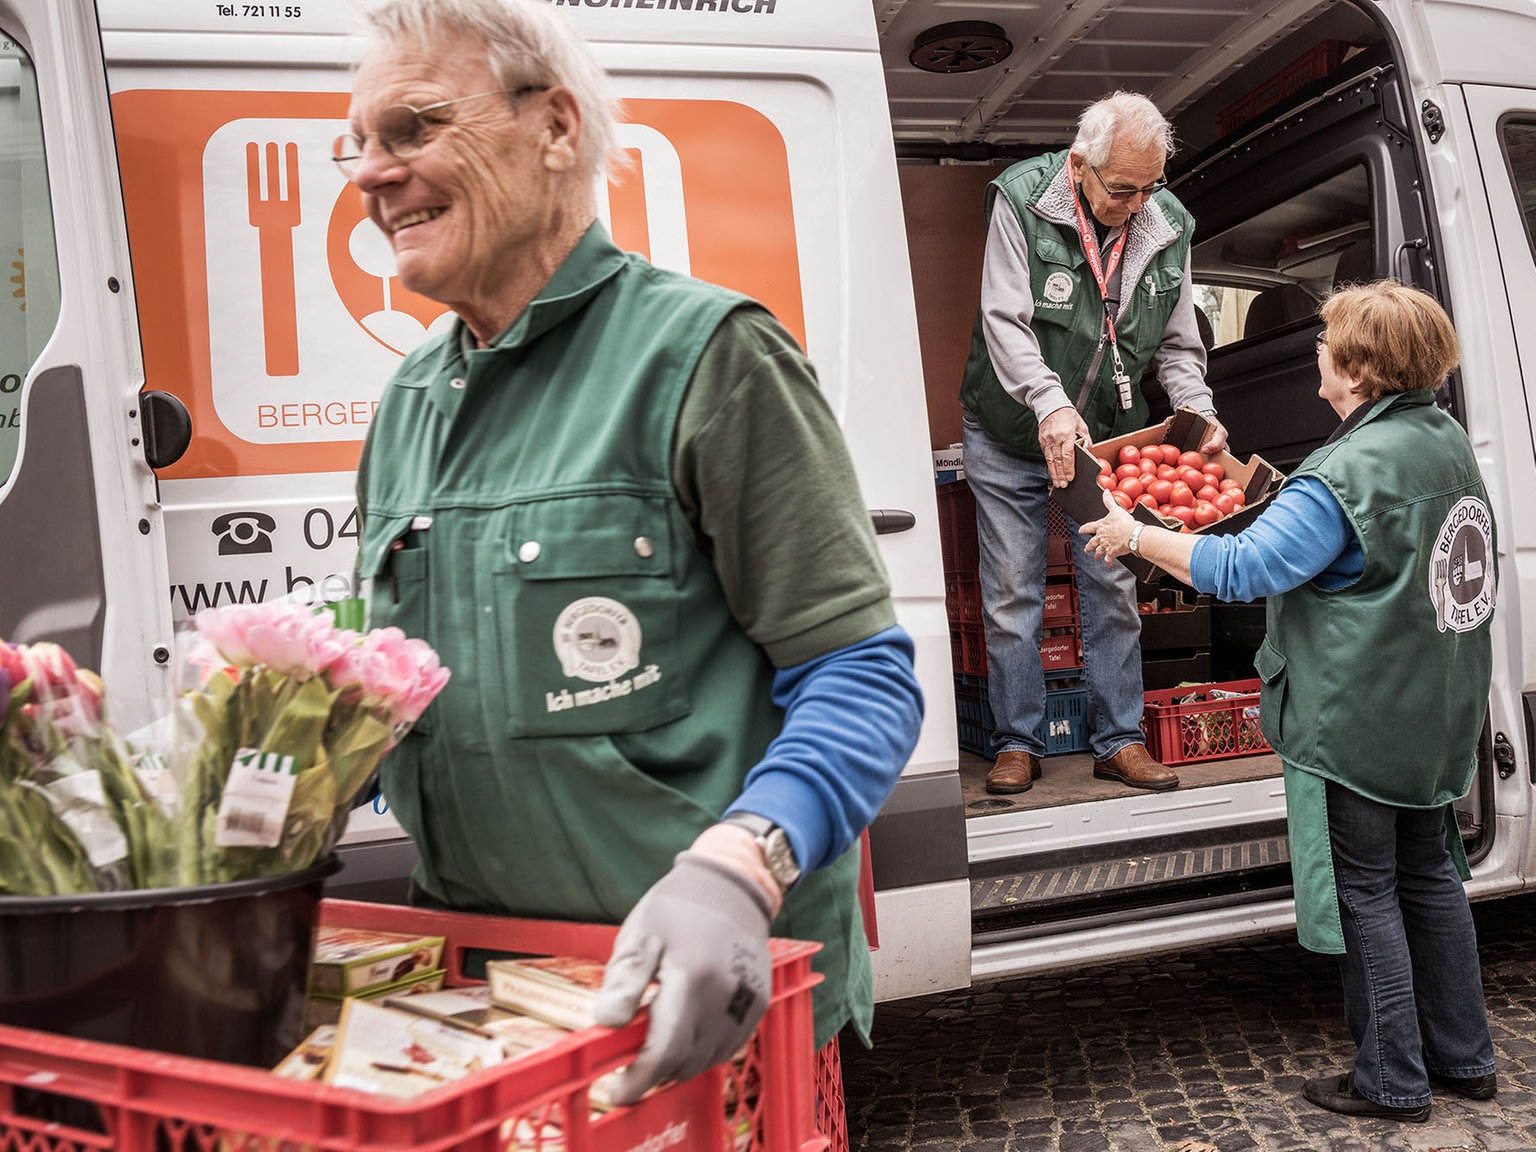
(84, 559)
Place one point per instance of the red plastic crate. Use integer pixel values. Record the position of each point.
(138, 1101)
(962, 597)
(1060, 648)
(1313, 64)
(957, 527)
(1060, 604)
(968, 647)
(1203, 729)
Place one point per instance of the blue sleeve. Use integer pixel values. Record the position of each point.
(1303, 535)
(851, 720)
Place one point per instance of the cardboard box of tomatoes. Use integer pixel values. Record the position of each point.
(1213, 494)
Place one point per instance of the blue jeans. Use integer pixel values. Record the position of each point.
(1011, 492)
(1413, 991)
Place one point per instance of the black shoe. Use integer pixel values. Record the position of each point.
(1337, 1094)
(1470, 1087)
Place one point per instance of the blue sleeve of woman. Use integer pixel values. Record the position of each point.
(1303, 535)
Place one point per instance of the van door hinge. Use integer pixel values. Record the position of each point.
(1434, 122)
(1503, 755)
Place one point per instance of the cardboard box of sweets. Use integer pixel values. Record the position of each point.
(1083, 499)
(352, 960)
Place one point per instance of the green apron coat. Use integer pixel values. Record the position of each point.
(1408, 482)
(1068, 321)
(605, 707)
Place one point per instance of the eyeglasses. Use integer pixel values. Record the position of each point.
(1322, 341)
(1121, 195)
(403, 131)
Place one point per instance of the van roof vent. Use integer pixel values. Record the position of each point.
(960, 46)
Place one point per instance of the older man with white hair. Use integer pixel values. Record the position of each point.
(1085, 286)
(616, 503)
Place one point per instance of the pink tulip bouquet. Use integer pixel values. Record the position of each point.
(75, 813)
(291, 720)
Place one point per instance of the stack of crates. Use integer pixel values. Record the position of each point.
(1061, 654)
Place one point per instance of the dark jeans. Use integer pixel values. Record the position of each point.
(1413, 991)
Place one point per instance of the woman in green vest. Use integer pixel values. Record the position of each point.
(615, 502)
(1377, 552)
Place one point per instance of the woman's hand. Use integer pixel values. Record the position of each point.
(1112, 534)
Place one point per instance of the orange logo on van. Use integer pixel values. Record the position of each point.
(269, 303)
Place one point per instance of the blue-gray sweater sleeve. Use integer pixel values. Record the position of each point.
(851, 720)
(1303, 535)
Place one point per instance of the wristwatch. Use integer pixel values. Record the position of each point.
(1134, 543)
(774, 844)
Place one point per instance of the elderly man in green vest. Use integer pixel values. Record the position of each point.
(1085, 288)
(660, 713)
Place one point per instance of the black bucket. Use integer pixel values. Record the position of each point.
(218, 972)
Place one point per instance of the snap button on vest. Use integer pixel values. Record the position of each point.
(529, 552)
(456, 382)
(643, 547)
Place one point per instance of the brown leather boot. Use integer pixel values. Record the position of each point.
(1013, 771)
(1133, 765)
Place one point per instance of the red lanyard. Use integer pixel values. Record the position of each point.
(1102, 273)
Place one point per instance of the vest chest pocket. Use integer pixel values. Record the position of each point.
(587, 614)
(1140, 330)
(1058, 277)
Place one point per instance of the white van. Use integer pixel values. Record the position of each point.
(196, 320)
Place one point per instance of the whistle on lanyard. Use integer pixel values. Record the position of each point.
(1121, 381)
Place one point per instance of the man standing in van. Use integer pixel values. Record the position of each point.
(616, 503)
(1085, 287)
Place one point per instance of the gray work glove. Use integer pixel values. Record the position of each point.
(701, 932)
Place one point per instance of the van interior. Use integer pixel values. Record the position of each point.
(1296, 156)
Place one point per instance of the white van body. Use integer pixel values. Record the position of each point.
(173, 223)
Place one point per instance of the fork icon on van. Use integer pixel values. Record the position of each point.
(273, 195)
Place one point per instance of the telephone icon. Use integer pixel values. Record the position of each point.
(244, 533)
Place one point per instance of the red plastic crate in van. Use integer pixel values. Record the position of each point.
(957, 527)
(1204, 729)
(59, 1094)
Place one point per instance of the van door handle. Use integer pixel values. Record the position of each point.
(891, 520)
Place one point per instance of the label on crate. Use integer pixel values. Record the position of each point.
(256, 799)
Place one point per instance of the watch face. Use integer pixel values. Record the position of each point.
(780, 857)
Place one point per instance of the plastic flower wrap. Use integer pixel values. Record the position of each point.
(74, 814)
(290, 723)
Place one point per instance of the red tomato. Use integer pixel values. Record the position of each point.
(1106, 481)
(1169, 454)
(1165, 510)
(1206, 492)
(1123, 500)
(1193, 477)
(1132, 487)
(1182, 496)
(1130, 454)
(1229, 484)
(1148, 501)
(1214, 470)
(1184, 514)
(1148, 468)
(1225, 504)
(1191, 460)
(1205, 512)
(1167, 472)
(1161, 491)
(1127, 470)
(1104, 465)
(1237, 497)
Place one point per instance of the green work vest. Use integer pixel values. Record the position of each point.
(1068, 318)
(605, 706)
(1332, 707)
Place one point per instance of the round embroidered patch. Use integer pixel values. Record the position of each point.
(1461, 569)
(597, 639)
(1058, 287)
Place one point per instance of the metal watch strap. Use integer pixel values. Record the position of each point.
(1134, 544)
(774, 844)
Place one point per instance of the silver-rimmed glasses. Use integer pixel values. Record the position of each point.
(403, 131)
(1121, 195)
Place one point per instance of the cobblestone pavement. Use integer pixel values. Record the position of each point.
(1199, 1052)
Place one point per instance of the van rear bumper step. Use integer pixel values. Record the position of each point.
(1028, 891)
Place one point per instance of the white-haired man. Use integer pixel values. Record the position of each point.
(1085, 286)
(660, 712)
